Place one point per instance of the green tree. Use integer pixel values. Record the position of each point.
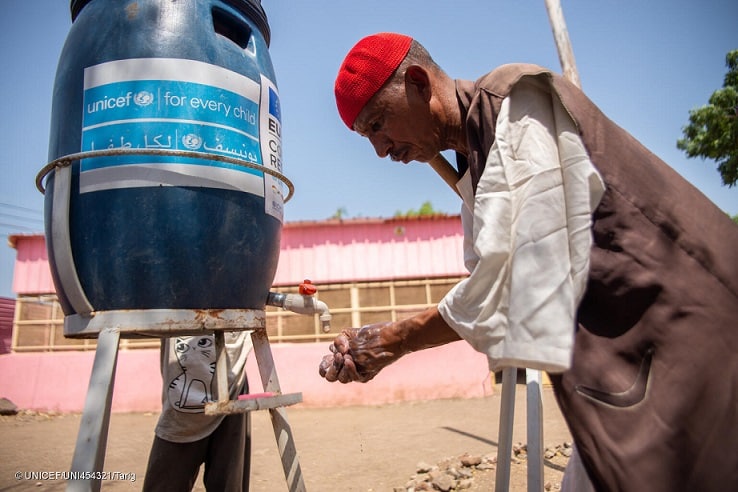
(425, 209)
(712, 132)
(340, 213)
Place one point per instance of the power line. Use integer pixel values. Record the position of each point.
(19, 217)
(20, 227)
(18, 207)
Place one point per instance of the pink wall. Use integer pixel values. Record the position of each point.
(31, 274)
(58, 381)
(7, 313)
(323, 251)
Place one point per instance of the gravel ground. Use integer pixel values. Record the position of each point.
(362, 449)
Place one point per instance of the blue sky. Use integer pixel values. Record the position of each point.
(646, 64)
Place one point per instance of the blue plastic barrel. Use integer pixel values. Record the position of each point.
(178, 222)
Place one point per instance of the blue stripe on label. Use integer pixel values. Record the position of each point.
(166, 114)
(169, 99)
(176, 105)
(169, 135)
(274, 107)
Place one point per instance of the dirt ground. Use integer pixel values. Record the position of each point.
(358, 449)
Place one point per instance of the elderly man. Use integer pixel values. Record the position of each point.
(589, 258)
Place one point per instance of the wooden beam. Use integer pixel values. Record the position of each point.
(561, 38)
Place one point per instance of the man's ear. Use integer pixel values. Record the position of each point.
(417, 78)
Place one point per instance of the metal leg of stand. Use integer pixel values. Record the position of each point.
(221, 367)
(282, 430)
(534, 430)
(507, 415)
(89, 452)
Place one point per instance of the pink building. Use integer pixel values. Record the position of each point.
(366, 270)
(7, 311)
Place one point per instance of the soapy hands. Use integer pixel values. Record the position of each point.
(358, 354)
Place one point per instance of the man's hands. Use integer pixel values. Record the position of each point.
(358, 354)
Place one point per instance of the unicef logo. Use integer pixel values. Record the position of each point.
(143, 98)
(192, 141)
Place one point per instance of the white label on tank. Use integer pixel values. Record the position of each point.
(271, 147)
(181, 105)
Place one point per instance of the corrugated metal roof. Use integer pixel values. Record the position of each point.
(372, 220)
(326, 251)
(371, 249)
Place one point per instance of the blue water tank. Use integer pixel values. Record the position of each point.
(183, 216)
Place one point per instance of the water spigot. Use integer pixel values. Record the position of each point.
(303, 303)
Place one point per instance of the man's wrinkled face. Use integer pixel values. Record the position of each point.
(398, 125)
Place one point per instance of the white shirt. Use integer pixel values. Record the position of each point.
(189, 382)
(527, 236)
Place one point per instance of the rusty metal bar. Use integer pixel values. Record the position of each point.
(159, 323)
(262, 403)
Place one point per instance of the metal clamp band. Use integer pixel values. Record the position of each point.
(67, 160)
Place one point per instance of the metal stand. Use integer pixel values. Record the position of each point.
(89, 452)
(534, 430)
(273, 400)
(110, 326)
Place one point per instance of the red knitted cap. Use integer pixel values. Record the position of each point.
(365, 70)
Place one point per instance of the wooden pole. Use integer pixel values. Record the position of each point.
(566, 57)
(446, 171)
(561, 38)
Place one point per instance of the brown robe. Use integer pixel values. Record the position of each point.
(652, 394)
